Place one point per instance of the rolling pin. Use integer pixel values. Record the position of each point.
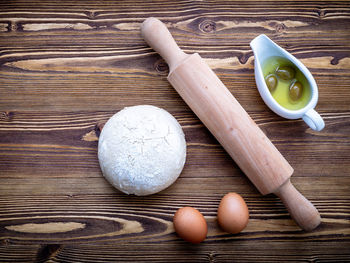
(231, 125)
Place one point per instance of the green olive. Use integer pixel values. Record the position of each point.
(285, 72)
(295, 90)
(271, 82)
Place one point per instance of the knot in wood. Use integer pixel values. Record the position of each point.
(47, 252)
(207, 26)
(161, 67)
(12, 26)
(211, 257)
(5, 242)
(91, 14)
(280, 27)
(321, 13)
(335, 61)
(7, 116)
(243, 58)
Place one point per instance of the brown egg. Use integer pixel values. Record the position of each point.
(233, 214)
(190, 224)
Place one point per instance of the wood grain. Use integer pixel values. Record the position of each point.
(67, 66)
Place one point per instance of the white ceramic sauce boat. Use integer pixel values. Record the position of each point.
(264, 48)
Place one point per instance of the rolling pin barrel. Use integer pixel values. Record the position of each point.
(226, 119)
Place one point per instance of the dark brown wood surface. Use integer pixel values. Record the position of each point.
(67, 66)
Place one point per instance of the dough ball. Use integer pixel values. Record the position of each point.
(142, 150)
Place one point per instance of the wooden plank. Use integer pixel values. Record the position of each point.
(115, 66)
(64, 144)
(263, 251)
(59, 216)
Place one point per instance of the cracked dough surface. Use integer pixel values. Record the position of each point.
(142, 150)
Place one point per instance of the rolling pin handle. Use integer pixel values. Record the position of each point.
(159, 38)
(301, 209)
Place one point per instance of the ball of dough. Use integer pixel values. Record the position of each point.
(142, 150)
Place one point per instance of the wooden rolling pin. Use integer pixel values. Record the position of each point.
(231, 125)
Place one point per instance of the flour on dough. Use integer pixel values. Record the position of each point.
(142, 150)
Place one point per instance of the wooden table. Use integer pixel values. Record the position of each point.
(67, 66)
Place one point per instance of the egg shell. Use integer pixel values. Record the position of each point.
(233, 214)
(190, 224)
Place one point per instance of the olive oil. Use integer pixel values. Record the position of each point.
(281, 92)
